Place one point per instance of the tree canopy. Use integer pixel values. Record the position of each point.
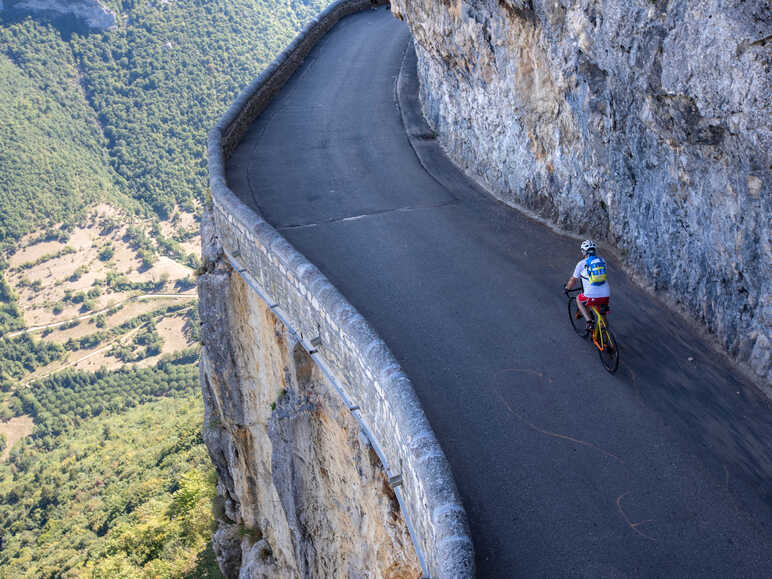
(126, 495)
(123, 114)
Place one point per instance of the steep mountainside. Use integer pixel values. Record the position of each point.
(304, 492)
(91, 114)
(646, 124)
(53, 158)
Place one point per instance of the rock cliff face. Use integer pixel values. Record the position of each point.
(301, 491)
(81, 14)
(644, 123)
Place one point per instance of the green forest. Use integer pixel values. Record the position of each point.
(114, 480)
(52, 161)
(122, 114)
(65, 399)
(10, 314)
(121, 495)
(22, 355)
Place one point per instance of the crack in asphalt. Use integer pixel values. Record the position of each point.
(633, 526)
(549, 433)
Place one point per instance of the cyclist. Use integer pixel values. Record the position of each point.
(595, 287)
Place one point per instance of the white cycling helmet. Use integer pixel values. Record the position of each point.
(588, 245)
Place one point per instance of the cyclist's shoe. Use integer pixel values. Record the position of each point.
(589, 326)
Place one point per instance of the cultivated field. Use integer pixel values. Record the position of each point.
(113, 291)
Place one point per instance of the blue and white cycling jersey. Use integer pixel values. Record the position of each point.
(589, 290)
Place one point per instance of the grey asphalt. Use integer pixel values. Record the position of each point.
(662, 470)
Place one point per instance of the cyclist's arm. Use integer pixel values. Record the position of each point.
(572, 281)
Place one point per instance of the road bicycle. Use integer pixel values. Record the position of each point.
(602, 337)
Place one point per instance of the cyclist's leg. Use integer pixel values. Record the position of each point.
(582, 308)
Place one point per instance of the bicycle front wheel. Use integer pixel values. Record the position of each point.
(608, 349)
(577, 319)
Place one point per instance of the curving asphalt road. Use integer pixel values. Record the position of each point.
(662, 470)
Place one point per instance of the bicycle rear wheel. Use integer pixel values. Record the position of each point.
(609, 350)
(577, 320)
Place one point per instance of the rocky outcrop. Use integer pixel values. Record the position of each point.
(302, 493)
(84, 14)
(644, 123)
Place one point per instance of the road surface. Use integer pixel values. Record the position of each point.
(661, 470)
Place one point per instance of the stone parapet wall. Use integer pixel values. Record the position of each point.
(255, 97)
(357, 362)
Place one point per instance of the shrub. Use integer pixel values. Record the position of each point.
(185, 284)
(10, 315)
(107, 253)
(148, 258)
(108, 225)
(77, 274)
(192, 261)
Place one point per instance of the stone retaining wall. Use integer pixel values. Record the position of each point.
(357, 362)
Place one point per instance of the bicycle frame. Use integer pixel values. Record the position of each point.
(597, 333)
(602, 337)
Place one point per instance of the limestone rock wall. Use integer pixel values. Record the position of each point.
(301, 491)
(644, 123)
